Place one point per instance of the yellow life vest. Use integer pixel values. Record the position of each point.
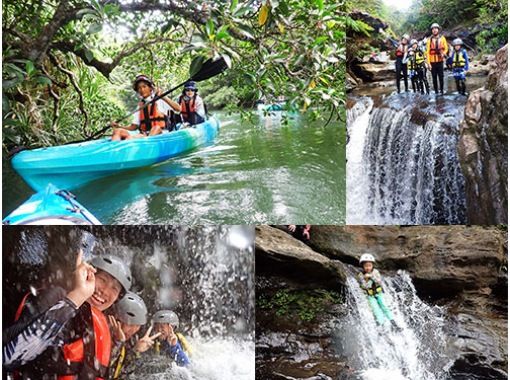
(120, 363)
(419, 57)
(458, 59)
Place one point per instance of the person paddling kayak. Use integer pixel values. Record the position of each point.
(150, 120)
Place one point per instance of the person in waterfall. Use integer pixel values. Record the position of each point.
(59, 332)
(436, 54)
(459, 62)
(370, 280)
(417, 68)
(401, 62)
(171, 342)
(152, 118)
(128, 316)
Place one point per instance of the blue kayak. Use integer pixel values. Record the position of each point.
(71, 166)
(51, 207)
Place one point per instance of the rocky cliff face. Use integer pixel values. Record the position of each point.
(460, 268)
(483, 147)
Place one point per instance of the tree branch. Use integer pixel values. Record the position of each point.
(72, 78)
(106, 68)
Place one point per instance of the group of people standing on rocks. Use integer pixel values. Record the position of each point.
(414, 58)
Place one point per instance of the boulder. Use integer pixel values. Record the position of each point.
(483, 147)
(278, 251)
(443, 260)
(374, 71)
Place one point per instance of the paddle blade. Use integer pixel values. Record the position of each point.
(210, 68)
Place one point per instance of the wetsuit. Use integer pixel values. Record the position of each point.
(401, 67)
(176, 352)
(373, 287)
(459, 62)
(34, 344)
(418, 72)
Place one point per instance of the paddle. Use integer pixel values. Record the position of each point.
(209, 69)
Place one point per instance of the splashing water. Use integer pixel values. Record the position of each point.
(402, 163)
(213, 359)
(418, 352)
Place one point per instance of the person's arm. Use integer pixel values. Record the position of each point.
(170, 102)
(173, 104)
(445, 47)
(376, 277)
(33, 334)
(25, 342)
(177, 353)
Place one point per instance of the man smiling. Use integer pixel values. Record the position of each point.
(59, 333)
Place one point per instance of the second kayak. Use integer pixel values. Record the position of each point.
(71, 166)
(51, 207)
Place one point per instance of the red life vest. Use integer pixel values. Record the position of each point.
(401, 49)
(74, 353)
(97, 350)
(151, 117)
(187, 107)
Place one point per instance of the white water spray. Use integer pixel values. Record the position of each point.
(418, 352)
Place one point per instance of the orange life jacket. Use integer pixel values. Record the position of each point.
(188, 107)
(437, 48)
(76, 354)
(151, 117)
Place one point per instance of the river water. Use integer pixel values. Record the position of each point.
(262, 172)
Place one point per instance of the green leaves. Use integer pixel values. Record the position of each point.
(94, 28)
(196, 64)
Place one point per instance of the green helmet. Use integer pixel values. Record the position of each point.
(166, 316)
(114, 266)
(131, 309)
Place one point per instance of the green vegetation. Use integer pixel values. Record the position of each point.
(489, 17)
(68, 65)
(306, 304)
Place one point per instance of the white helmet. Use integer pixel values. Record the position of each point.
(457, 41)
(413, 41)
(405, 36)
(435, 25)
(366, 257)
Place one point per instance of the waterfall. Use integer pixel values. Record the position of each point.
(204, 273)
(402, 162)
(418, 352)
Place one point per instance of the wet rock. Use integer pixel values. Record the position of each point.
(277, 250)
(443, 260)
(291, 348)
(483, 147)
(351, 81)
(375, 71)
(480, 333)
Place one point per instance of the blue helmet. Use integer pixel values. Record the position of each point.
(190, 85)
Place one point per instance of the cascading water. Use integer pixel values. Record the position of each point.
(402, 163)
(418, 352)
(205, 274)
